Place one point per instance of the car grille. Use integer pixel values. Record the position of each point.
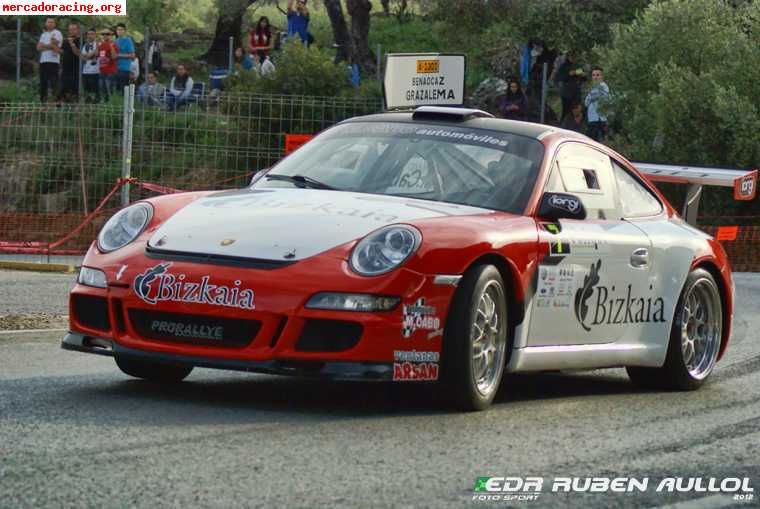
(195, 329)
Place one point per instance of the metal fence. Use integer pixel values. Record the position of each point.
(58, 163)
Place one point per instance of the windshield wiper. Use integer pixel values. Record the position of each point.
(301, 180)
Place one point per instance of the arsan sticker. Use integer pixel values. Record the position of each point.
(412, 366)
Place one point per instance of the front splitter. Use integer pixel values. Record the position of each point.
(366, 371)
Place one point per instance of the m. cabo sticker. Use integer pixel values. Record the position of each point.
(156, 284)
(613, 309)
(418, 316)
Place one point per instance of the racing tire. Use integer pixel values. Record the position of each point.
(695, 338)
(475, 340)
(153, 371)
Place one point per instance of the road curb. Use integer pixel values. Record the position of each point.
(38, 267)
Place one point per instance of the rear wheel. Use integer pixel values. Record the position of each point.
(475, 339)
(695, 338)
(153, 371)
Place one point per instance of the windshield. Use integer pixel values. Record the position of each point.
(488, 169)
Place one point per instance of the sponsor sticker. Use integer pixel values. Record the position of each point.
(415, 371)
(556, 286)
(157, 284)
(559, 248)
(419, 316)
(597, 303)
(746, 187)
(188, 330)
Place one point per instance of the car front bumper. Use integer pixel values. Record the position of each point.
(367, 371)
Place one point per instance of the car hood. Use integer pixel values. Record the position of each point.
(287, 224)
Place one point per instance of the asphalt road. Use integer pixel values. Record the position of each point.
(74, 431)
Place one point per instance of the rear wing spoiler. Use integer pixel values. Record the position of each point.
(744, 182)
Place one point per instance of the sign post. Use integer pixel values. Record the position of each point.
(423, 79)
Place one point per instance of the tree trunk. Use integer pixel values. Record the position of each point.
(361, 53)
(229, 24)
(386, 6)
(339, 28)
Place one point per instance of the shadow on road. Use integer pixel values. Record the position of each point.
(241, 396)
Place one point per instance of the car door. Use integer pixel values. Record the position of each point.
(593, 284)
(673, 249)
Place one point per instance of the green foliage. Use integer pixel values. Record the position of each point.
(300, 71)
(686, 81)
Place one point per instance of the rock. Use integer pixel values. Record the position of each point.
(487, 93)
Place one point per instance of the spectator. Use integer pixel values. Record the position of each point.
(134, 70)
(243, 60)
(155, 60)
(107, 63)
(574, 119)
(514, 105)
(180, 89)
(125, 53)
(91, 67)
(49, 47)
(570, 76)
(265, 65)
(298, 20)
(70, 65)
(597, 122)
(261, 37)
(151, 92)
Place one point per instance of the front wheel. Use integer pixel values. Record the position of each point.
(475, 339)
(695, 338)
(153, 371)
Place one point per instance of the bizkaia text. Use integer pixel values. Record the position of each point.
(611, 307)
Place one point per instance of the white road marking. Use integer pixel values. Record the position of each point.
(709, 502)
(22, 331)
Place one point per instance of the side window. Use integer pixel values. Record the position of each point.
(636, 200)
(554, 184)
(587, 173)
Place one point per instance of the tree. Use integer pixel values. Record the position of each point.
(685, 78)
(361, 53)
(228, 24)
(339, 28)
(354, 43)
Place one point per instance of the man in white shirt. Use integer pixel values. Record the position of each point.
(600, 92)
(91, 67)
(49, 47)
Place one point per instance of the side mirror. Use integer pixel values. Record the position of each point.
(556, 206)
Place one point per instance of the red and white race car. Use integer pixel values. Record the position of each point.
(440, 245)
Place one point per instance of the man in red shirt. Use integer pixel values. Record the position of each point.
(107, 62)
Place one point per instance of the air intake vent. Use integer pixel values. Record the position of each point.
(91, 311)
(328, 336)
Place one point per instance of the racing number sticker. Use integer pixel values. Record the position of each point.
(427, 66)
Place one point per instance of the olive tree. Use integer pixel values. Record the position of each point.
(685, 77)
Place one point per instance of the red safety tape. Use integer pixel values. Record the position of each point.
(26, 247)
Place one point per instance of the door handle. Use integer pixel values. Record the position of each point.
(640, 258)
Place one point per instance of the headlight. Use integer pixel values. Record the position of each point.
(352, 302)
(384, 250)
(92, 277)
(124, 227)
